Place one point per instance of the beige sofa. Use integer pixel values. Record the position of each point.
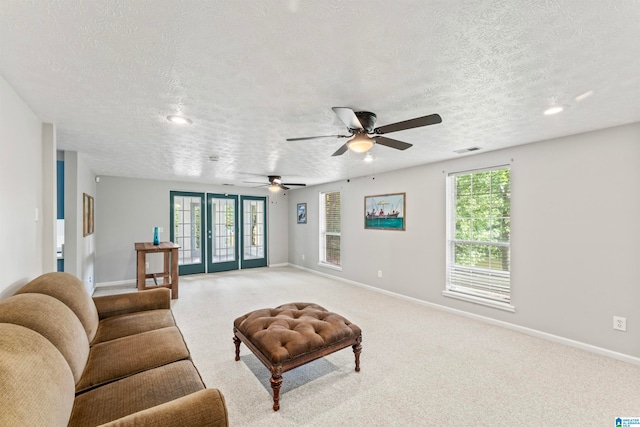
(120, 360)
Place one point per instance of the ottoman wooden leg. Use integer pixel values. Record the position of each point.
(357, 348)
(237, 342)
(276, 382)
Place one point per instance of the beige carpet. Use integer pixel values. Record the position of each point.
(420, 366)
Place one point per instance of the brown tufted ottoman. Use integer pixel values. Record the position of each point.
(293, 334)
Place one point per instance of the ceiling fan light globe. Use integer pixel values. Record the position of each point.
(274, 188)
(360, 144)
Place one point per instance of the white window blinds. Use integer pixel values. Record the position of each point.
(330, 228)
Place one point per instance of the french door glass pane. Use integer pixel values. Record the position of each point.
(187, 214)
(253, 229)
(223, 216)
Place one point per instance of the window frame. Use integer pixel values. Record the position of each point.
(323, 233)
(494, 276)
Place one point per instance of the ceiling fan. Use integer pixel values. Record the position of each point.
(275, 183)
(360, 126)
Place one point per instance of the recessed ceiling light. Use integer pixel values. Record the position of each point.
(553, 110)
(179, 120)
(584, 96)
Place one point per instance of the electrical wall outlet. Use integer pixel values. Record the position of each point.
(303, 257)
(620, 323)
(379, 273)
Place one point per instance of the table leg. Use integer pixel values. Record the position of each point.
(237, 342)
(174, 273)
(140, 271)
(276, 382)
(357, 348)
(167, 265)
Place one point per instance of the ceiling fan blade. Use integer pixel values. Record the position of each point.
(340, 151)
(295, 185)
(348, 117)
(284, 187)
(318, 137)
(409, 124)
(393, 143)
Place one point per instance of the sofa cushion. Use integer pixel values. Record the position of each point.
(132, 302)
(71, 291)
(136, 393)
(130, 324)
(119, 358)
(53, 320)
(204, 408)
(36, 383)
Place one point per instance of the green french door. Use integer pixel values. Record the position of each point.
(254, 231)
(187, 230)
(222, 233)
(235, 230)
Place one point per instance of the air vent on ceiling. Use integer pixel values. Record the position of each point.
(467, 150)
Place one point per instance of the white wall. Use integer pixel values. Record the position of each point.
(79, 250)
(127, 209)
(21, 180)
(49, 202)
(575, 230)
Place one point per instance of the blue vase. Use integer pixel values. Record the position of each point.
(156, 237)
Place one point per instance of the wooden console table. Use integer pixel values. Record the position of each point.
(170, 273)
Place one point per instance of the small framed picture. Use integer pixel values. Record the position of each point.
(87, 215)
(302, 213)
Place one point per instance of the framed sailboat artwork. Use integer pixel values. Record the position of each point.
(385, 212)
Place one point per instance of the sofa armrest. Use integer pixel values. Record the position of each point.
(202, 408)
(114, 305)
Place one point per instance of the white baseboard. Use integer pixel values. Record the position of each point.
(528, 331)
(132, 282)
(283, 264)
(117, 283)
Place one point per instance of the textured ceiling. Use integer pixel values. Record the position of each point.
(252, 73)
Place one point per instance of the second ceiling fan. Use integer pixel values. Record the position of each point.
(360, 125)
(276, 184)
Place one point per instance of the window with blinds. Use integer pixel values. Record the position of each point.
(478, 233)
(330, 228)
